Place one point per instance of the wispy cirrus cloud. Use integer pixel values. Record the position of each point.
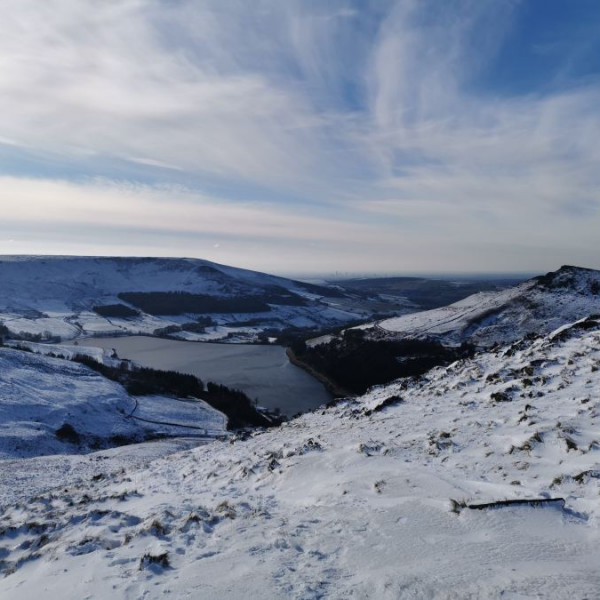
(375, 133)
(200, 87)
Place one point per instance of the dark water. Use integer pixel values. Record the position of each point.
(262, 372)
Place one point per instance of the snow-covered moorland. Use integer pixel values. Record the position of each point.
(538, 305)
(374, 498)
(54, 406)
(67, 297)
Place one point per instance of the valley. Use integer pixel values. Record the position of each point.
(370, 496)
(57, 298)
(465, 458)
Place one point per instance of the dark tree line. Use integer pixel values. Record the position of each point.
(115, 311)
(179, 303)
(355, 363)
(141, 381)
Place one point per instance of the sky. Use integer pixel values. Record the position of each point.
(304, 136)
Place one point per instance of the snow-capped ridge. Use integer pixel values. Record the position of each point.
(579, 279)
(538, 305)
(50, 297)
(79, 282)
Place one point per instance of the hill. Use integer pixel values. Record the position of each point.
(411, 344)
(50, 297)
(538, 305)
(426, 293)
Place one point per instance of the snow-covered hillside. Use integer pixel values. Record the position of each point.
(40, 395)
(539, 305)
(73, 282)
(378, 497)
(55, 296)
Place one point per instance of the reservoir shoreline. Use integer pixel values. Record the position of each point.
(263, 371)
(335, 390)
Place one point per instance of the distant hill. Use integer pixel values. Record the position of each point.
(46, 297)
(425, 293)
(78, 283)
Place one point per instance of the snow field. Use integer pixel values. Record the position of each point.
(40, 394)
(363, 500)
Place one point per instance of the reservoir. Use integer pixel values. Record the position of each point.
(264, 373)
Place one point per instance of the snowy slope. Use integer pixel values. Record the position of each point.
(23, 478)
(38, 395)
(54, 295)
(73, 282)
(352, 502)
(535, 306)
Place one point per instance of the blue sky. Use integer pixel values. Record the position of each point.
(304, 135)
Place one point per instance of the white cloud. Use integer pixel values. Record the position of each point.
(367, 112)
(169, 210)
(110, 79)
(106, 217)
